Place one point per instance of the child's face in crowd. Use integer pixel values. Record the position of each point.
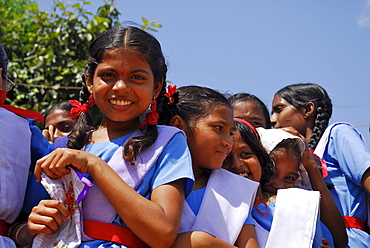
(62, 122)
(123, 85)
(286, 170)
(286, 115)
(249, 111)
(209, 140)
(242, 160)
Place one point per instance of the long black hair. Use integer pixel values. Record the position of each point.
(299, 95)
(192, 103)
(148, 46)
(250, 138)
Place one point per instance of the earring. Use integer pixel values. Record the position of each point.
(151, 117)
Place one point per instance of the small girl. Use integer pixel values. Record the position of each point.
(307, 107)
(215, 214)
(288, 151)
(141, 172)
(58, 121)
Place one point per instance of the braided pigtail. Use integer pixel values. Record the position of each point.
(323, 114)
(299, 95)
(84, 123)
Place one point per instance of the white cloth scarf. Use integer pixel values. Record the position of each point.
(226, 205)
(295, 218)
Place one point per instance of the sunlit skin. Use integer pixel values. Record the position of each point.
(209, 140)
(250, 112)
(58, 123)
(286, 171)
(123, 87)
(286, 115)
(242, 160)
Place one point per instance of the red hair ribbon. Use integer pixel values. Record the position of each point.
(22, 112)
(151, 117)
(171, 90)
(249, 125)
(324, 168)
(78, 108)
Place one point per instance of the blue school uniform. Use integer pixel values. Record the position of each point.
(174, 163)
(347, 159)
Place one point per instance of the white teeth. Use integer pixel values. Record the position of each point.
(120, 102)
(247, 175)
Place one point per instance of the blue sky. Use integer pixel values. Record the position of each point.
(260, 46)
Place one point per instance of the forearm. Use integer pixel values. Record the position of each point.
(155, 221)
(199, 239)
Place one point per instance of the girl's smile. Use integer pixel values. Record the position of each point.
(123, 85)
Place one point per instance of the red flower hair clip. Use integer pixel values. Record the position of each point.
(78, 108)
(171, 90)
(151, 117)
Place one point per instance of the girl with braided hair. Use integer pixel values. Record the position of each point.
(141, 171)
(308, 108)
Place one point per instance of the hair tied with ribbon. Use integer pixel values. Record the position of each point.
(151, 117)
(78, 108)
(171, 90)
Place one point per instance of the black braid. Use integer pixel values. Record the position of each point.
(300, 94)
(83, 124)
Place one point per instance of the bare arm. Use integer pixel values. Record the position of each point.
(365, 181)
(161, 215)
(247, 237)
(199, 239)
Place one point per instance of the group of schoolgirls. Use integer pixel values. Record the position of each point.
(154, 177)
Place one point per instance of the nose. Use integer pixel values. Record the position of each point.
(121, 85)
(236, 163)
(227, 141)
(273, 119)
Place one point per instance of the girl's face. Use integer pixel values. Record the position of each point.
(249, 111)
(286, 170)
(242, 160)
(123, 85)
(209, 140)
(286, 115)
(62, 122)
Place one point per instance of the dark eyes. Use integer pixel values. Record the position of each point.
(290, 179)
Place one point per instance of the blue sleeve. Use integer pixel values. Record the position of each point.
(249, 220)
(349, 151)
(40, 147)
(175, 163)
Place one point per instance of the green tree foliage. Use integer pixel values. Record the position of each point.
(47, 51)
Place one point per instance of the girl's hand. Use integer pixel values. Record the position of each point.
(308, 160)
(57, 163)
(47, 217)
(49, 133)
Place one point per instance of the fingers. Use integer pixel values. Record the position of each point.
(53, 165)
(49, 133)
(47, 217)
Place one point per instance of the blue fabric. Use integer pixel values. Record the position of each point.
(40, 147)
(174, 163)
(347, 159)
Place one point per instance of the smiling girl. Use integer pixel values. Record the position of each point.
(216, 212)
(141, 172)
